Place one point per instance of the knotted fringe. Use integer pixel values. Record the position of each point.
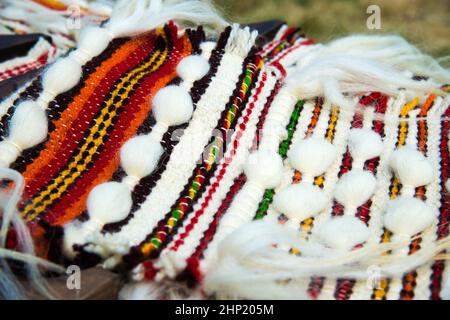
(363, 63)
(241, 40)
(9, 286)
(254, 262)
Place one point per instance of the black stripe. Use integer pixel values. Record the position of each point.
(55, 107)
(143, 189)
(92, 123)
(135, 255)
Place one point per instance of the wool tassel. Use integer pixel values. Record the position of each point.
(312, 157)
(9, 287)
(337, 69)
(343, 233)
(134, 17)
(411, 167)
(407, 216)
(265, 259)
(352, 190)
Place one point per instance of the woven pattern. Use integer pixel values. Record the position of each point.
(191, 252)
(92, 121)
(40, 55)
(201, 189)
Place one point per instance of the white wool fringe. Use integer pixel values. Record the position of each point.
(256, 256)
(138, 16)
(359, 64)
(9, 287)
(396, 51)
(241, 40)
(165, 290)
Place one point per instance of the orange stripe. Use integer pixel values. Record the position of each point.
(422, 123)
(69, 115)
(52, 4)
(314, 119)
(312, 125)
(144, 109)
(407, 292)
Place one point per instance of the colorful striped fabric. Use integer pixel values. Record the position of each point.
(39, 56)
(90, 123)
(200, 191)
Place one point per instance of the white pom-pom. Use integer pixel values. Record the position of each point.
(94, 40)
(192, 68)
(312, 156)
(300, 201)
(109, 202)
(411, 166)
(172, 105)
(265, 169)
(354, 188)
(447, 185)
(364, 144)
(29, 125)
(343, 232)
(61, 76)
(139, 156)
(408, 216)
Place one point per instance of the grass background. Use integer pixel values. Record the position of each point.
(426, 23)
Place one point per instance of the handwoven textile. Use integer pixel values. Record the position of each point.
(211, 161)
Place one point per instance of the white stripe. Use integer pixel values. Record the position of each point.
(183, 159)
(233, 171)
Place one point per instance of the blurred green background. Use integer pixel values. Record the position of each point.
(426, 23)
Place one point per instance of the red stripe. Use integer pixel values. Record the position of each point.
(116, 138)
(222, 172)
(295, 47)
(444, 217)
(193, 262)
(344, 286)
(81, 124)
(371, 165)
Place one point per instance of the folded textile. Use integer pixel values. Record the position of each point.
(204, 161)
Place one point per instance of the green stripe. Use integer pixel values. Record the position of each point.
(282, 150)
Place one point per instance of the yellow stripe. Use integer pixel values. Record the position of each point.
(307, 224)
(67, 177)
(380, 293)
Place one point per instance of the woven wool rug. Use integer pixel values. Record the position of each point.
(212, 162)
